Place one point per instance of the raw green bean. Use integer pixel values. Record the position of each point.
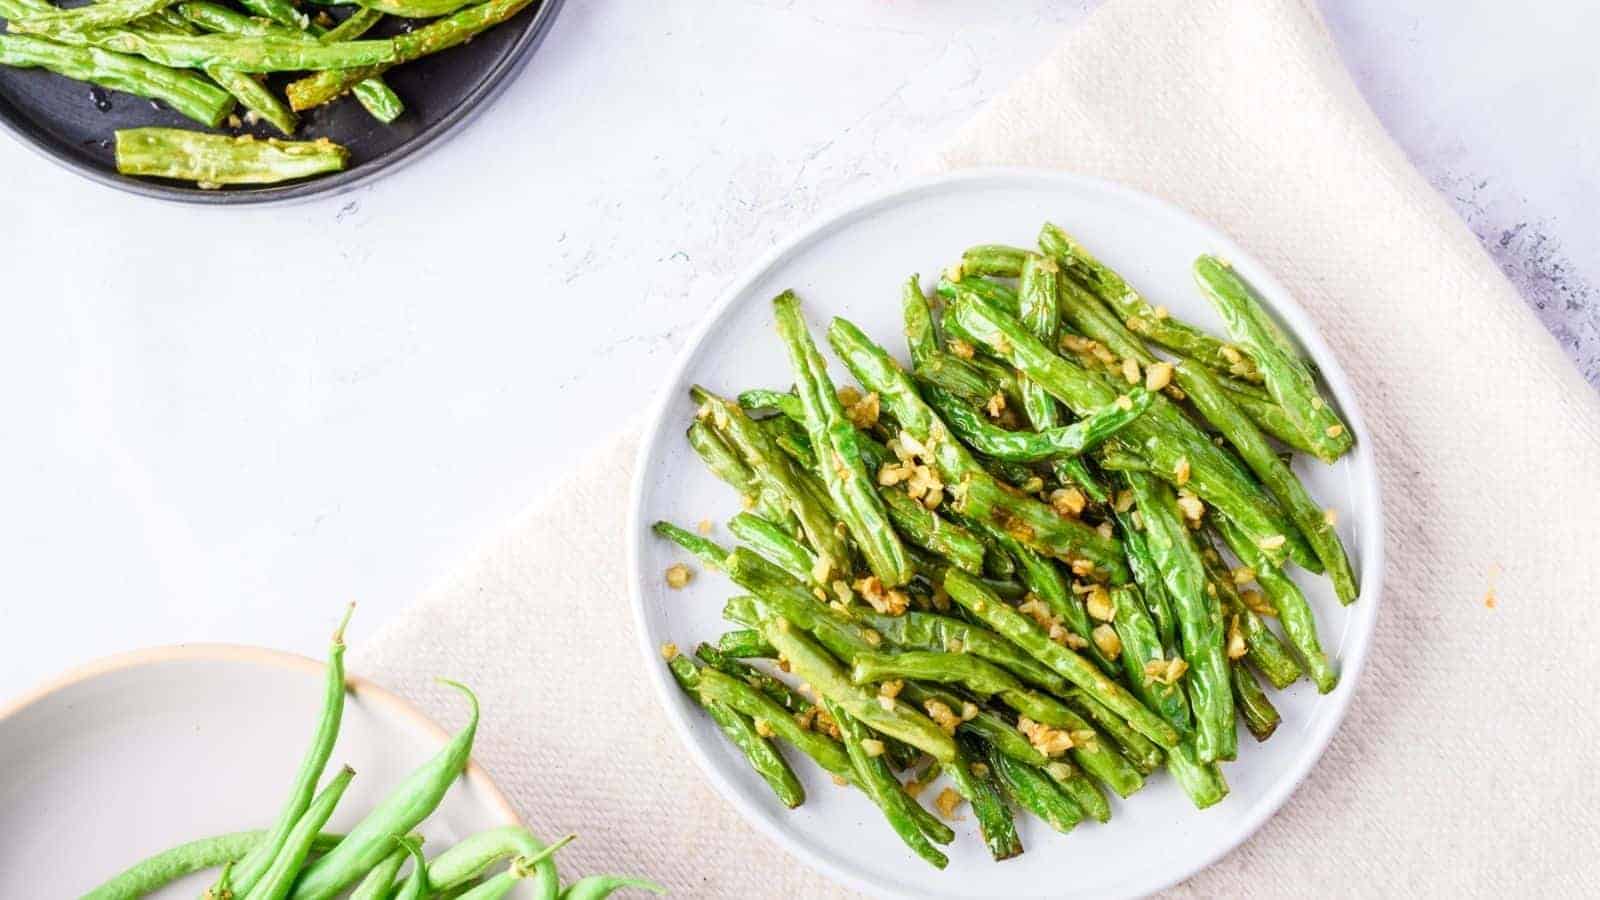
(401, 811)
(599, 887)
(467, 860)
(186, 92)
(254, 865)
(215, 159)
(1137, 313)
(151, 873)
(990, 610)
(835, 440)
(1288, 379)
(1035, 524)
(975, 782)
(281, 872)
(1255, 710)
(1199, 614)
(417, 886)
(1034, 791)
(743, 734)
(813, 664)
(379, 883)
(881, 785)
(440, 34)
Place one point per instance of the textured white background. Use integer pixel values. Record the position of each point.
(217, 424)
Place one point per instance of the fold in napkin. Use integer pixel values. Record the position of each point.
(1467, 762)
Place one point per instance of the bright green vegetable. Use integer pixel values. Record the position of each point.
(811, 663)
(378, 883)
(836, 442)
(1138, 750)
(1032, 446)
(931, 631)
(1255, 710)
(186, 92)
(281, 872)
(104, 14)
(1199, 614)
(151, 873)
(746, 643)
(1038, 310)
(402, 810)
(253, 866)
(1144, 659)
(599, 887)
(440, 34)
(983, 498)
(415, 9)
(1261, 645)
(1138, 314)
(994, 259)
(1287, 377)
(246, 54)
(254, 96)
(881, 785)
(976, 783)
(214, 159)
(1046, 582)
(926, 529)
(1299, 623)
(1033, 790)
(467, 860)
(774, 546)
(1022, 631)
(743, 734)
(416, 887)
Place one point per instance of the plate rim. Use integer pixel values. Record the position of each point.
(483, 94)
(358, 685)
(1302, 328)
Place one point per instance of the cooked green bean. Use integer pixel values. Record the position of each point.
(1145, 663)
(216, 159)
(1033, 790)
(1255, 710)
(1299, 623)
(186, 92)
(931, 631)
(994, 259)
(1261, 644)
(104, 14)
(746, 643)
(708, 551)
(976, 784)
(1039, 311)
(881, 785)
(776, 547)
(1034, 446)
(1137, 749)
(744, 734)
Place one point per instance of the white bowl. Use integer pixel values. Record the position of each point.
(853, 264)
(130, 755)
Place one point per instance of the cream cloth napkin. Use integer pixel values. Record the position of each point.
(1468, 762)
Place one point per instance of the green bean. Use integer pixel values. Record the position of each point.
(927, 530)
(1148, 577)
(746, 643)
(1289, 380)
(246, 54)
(990, 610)
(104, 14)
(1137, 314)
(994, 259)
(975, 782)
(1202, 782)
(186, 92)
(417, 886)
(922, 338)
(930, 631)
(787, 598)
(897, 719)
(215, 159)
(985, 499)
(726, 465)
(254, 865)
(1083, 791)
(1143, 650)
(1171, 441)
(744, 735)
(281, 12)
(993, 293)
(599, 887)
(223, 889)
(1199, 614)
(281, 872)
(977, 675)
(834, 438)
(440, 34)
(1038, 310)
(966, 379)
(1034, 791)
(379, 882)
(151, 873)
(1044, 581)
(790, 436)
(881, 785)
(1255, 710)
(708, 551)
(1261, 645)
(254, 96)
(1267, 415)
(1034, 446)
(402, 810)
(784, 403)
(772, 544)
(779, 477)
(1299, 623)
(467, 860)
(752, 702)
(1137, 749)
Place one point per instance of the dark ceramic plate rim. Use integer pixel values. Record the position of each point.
(486, 90)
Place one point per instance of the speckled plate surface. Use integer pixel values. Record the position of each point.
(130, 755)
(853, 264)
(72, 122)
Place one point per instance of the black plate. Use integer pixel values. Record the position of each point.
(62, 119)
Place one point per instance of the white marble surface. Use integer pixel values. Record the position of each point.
(338, 400)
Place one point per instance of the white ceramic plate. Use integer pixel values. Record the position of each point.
(131, 755)
(853, 264)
